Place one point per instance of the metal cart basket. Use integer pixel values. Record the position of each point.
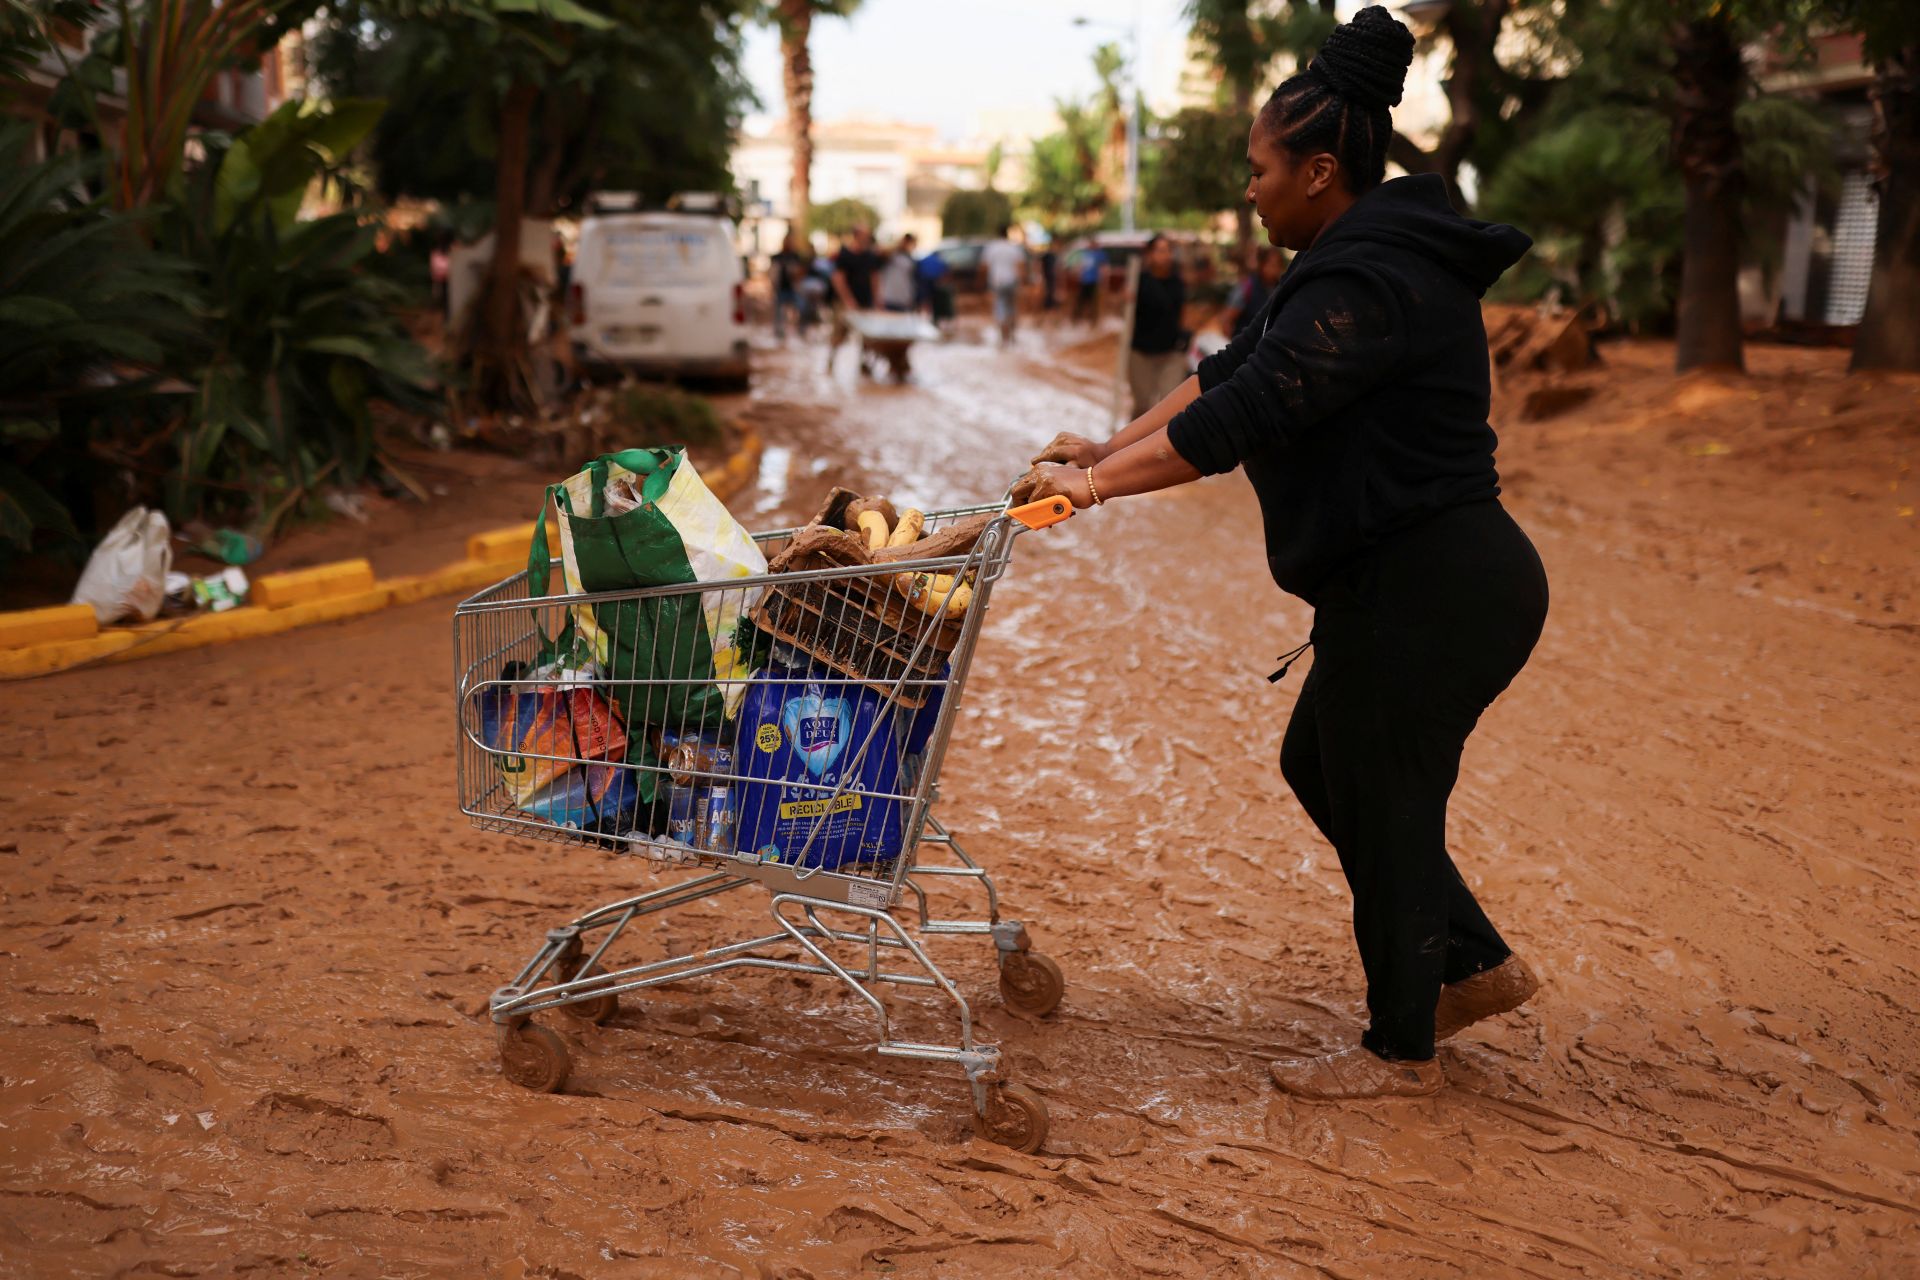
(666, 748)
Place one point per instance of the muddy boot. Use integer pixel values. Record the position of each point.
(1501, 989)
(1356, 1073)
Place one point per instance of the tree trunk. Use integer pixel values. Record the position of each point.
(1708, 73)
(1473, 31)
(502, 341)
(1889, 336)
(796, 23)
(543, 199)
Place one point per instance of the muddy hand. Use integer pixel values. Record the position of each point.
(1047, 480)
(1069, 448)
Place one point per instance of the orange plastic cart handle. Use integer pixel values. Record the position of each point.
(1047, 511)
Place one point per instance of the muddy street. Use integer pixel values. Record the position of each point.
(247, 937)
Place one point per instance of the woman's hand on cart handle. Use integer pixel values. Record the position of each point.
(1144, 466)
(1077, 451)
(1051, 480)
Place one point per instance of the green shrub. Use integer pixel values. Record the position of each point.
(89, 315)
(303, 325)
(975, 213)
(655, 415)
(839, 217)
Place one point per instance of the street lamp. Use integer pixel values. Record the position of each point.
(1132, 34)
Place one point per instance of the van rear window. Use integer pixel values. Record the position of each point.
(663, 256)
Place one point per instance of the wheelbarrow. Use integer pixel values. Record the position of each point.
(889, 336)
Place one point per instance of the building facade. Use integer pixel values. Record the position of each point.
(903, 171)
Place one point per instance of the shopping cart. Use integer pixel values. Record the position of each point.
(865, 662)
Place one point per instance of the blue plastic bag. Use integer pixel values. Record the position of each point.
(815, 750)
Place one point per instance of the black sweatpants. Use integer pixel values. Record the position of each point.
(1411, 642)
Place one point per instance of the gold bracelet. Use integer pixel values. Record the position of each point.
(1091, 491)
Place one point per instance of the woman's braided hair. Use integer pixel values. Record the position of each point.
(1341, 102)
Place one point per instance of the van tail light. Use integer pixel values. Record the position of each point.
(739, 304)
(577, 303)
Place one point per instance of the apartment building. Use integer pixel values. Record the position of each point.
(901, 169)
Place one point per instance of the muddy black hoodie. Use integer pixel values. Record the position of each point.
(1358, 400)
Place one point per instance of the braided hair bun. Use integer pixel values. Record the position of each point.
(1342, 102)
(1365, 61)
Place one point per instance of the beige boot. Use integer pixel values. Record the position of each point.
(1501, 989)
(1356, 1073)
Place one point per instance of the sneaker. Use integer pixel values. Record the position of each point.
(1356, 1073)
(1498, 990)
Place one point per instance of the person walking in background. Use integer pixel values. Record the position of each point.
(1086, 300)
(1157, 362)
(897, 283)
(854, 270)
(936, 292)
(1049, 277)
(788, 269)
(1358, 408)
(1004, 264)
(816, 282)
(1249, 297)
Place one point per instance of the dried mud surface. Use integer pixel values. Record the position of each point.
(245, 937)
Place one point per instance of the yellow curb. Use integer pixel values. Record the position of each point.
(321, 582)
(740, 469)
(191, 632)
(501, 544)
(466, 575)
(37, 642)
(43, 626)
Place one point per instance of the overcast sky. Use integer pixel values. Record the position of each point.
(939, 62)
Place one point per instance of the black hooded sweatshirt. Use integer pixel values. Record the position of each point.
(1358, 400)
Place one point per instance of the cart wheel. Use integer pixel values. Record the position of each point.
(534, 1057)
(596, 1010)
(1031, 982)
(1016, 1117)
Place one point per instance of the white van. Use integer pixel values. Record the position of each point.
(659, 293)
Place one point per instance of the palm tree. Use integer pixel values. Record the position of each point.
(795, 20)
(1709, 75)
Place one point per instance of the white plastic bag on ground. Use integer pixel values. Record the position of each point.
(126, 576)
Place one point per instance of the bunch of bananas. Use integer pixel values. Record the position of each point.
(934, 594)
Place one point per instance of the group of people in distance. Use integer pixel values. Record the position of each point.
(860, 277)
(863, 276)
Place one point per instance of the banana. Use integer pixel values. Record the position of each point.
(936, 593)
(904, 533)
(874, 525)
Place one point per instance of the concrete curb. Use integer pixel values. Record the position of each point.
(39, 642)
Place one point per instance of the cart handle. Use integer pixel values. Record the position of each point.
(1041, 514)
